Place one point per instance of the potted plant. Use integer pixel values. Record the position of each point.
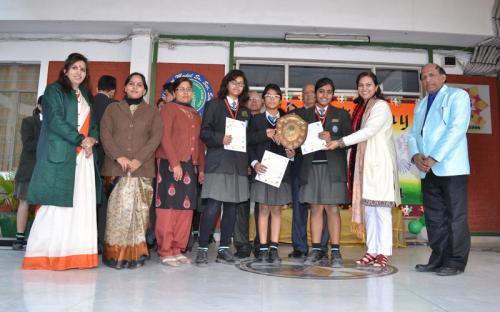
(8, 205)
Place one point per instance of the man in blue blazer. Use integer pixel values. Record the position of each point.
(438, 147)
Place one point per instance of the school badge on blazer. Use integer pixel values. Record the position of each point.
(335, 125)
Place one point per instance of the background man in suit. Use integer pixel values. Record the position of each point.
(438, 147)
(106, 88)
(242, 226)
(30, 131)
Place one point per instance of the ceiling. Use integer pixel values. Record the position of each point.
(17, 27)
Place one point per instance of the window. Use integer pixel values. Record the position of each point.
(259, 76)
(343, 78)
(18, 90)
(398, 80)
(291, 76)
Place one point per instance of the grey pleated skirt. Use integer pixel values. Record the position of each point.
(269, 195)
(319, 189)
(225, 187)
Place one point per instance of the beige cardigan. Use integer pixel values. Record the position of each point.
(380, 173)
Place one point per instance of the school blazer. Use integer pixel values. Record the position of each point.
(338, 123)
(258, 142)
(213, 128)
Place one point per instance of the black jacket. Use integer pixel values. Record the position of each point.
(30, 131)
(258, 142)
(338, 123)
(101, 102)
(213, 127)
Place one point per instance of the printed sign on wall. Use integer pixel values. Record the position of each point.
(202, 90)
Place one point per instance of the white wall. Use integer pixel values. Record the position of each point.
(216, 52)
(462, 58)
(42, 52)
(444, 16)
(191, 51)
(331, 53)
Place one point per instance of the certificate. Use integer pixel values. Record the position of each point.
(313, 143)
(237, 129)
(276, 167)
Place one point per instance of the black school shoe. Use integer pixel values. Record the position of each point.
(18, 244)
(263, 255)
(201, 257)
(224, 256)
(314, 257)
(274, 256)
(337, 261)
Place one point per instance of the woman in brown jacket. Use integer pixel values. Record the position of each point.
(130, 132)
(181, 164)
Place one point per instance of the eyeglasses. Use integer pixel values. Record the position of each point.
(255, 99)
(237, 83)
(184, 90)
(272, 96)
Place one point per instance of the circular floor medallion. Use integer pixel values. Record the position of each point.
(297, 269)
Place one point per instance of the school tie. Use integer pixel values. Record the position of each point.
(233, 105)
(321, 112)
(272, 120)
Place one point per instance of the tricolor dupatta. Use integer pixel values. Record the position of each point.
(84, 129)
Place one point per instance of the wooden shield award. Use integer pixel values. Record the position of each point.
(291, 131)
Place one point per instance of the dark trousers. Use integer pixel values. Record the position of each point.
(300, 213)
(242, 227)
(208, 219)
(445, 204)
(150, 232)
(102, 210)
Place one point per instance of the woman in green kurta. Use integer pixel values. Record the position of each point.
(64, 181)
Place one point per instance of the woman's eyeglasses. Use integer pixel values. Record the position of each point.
(272, 96)
(237, 83)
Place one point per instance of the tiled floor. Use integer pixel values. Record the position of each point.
(220, 287)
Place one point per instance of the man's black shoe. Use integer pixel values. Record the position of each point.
(426, 268)
(296, 254)
(242, 254)
(448, 271)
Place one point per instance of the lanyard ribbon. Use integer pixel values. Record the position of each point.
(232, 112)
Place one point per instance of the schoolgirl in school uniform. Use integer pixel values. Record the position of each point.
(323, 174)
(226, 171)
(262, 137)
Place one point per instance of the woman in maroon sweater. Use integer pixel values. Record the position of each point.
(180, 160)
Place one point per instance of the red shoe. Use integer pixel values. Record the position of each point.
(366, 260)
(381, 261)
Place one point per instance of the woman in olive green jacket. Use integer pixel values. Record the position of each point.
(64, 233)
